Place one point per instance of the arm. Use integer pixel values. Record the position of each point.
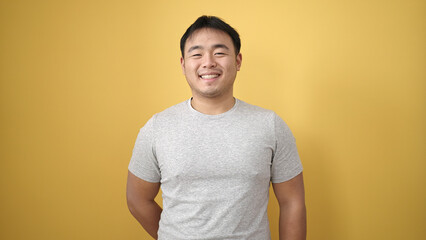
(140, 200)
(291, 199)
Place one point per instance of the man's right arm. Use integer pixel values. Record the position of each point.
(141, 203)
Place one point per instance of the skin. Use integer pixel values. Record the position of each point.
(141, 203)
(291, 199)
(211, 52)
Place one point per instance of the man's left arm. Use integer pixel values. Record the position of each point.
(291, 199)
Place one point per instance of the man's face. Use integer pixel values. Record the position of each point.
(210, 64)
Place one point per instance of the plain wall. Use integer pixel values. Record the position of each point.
(79, 78)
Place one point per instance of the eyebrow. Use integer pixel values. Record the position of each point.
(214, 47)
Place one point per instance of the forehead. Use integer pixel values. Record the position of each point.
(207, 37)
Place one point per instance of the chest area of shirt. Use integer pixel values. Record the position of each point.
(210, 151)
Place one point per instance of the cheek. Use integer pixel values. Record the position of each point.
(232, 67)
(191, 68)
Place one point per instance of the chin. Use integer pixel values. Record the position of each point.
(209, 94)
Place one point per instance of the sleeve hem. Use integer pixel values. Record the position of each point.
(145, 178)
(297, 171)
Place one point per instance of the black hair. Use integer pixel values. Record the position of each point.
(215, 23)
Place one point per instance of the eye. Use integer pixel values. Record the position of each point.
(196, 55)
(219, 53)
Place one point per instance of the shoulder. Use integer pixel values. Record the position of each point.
(173, 110)
(256, 111)
(263, 116)
(259, 118)
(170, 113)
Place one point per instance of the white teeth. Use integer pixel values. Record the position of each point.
(209, 76)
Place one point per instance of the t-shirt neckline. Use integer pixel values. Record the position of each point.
(208, 116)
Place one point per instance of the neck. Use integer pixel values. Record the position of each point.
(212, 106)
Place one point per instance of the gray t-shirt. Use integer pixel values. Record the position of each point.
(215, 170)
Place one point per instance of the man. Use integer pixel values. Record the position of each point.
(213, 155)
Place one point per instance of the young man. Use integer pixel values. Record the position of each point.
(214, 156)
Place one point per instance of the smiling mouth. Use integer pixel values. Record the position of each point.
(210, 76)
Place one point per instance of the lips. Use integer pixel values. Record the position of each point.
(208, 76)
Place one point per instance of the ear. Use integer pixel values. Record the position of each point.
(182, 64)
(239, 60)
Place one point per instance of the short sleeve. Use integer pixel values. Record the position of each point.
(286, 162)
(143, 163)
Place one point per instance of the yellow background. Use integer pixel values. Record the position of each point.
(79, 78)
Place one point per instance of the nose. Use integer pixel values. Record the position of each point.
(209, 61)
